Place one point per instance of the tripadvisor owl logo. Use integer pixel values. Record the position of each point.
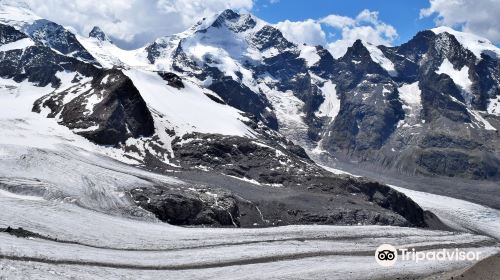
(386, 255)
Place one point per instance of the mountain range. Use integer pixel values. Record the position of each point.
(232, 99)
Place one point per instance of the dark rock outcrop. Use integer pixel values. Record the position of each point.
(189, 206)
(58, 38)
(172, 79)
(118, 112)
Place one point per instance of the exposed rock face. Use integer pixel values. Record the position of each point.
(241, 97)
(57, 37)
(106, 110)
(446, 141)
(189, 207)
(327, 200)
(370, 108)
(9, 34)
(246, 158)
(172, 79)
(290, 168)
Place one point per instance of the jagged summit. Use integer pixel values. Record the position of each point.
(476, 44)
(99, 34)
(357, 50)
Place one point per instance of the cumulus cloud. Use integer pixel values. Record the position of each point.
(308, 31)
(478, 17)
(133, 22)
(338, 21)
(365, 26)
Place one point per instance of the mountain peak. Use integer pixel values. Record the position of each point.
(99, 34)
(229, 14)
(357, 50)
(476, 44)
(225, 16)
(235, 21)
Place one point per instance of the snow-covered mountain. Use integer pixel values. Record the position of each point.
(139, 111)
(231, 90)
(429, 106)
(229, 124)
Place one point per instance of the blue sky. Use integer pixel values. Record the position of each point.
(402, 14)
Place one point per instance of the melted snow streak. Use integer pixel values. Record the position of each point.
(410, 96)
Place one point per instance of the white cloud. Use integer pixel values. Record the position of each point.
(132, 22)
(338, 21)
(308, 31)
(365, 26)
(478, 17)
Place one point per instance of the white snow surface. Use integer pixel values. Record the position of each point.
(459, 76)
(458, 214)
(138, 245)
(109, 55)
(472, 42)
(188, 109)
(17, 45)
(288, 109)
(378, 56)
